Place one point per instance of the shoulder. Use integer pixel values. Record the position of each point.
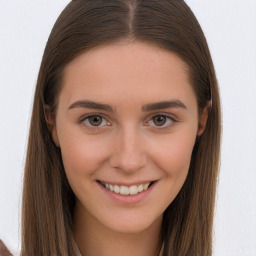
(3, 249)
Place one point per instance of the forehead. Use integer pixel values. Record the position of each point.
(127, 71)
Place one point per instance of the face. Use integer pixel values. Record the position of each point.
(127, 120)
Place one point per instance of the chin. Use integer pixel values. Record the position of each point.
(133, 224)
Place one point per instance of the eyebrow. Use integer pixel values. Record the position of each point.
(164, 104)
(91, 104)
(145, 108)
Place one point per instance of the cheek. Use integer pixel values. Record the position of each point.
(173, 158)
(82, 155)
(174, 153)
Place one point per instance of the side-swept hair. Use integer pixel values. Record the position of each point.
(48, 200)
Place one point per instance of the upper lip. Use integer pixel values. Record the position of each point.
(127, 183)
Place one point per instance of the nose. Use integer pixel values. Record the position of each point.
(129, 154)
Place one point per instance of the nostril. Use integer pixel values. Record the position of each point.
(128, 162)
(129, 153)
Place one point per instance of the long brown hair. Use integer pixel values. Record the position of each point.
(48, 200)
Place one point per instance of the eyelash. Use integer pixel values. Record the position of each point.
(88, 125)
(168, 121)
(168, 118)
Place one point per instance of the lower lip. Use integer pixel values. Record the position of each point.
(129, 199)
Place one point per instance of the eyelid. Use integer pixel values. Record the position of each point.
(103, 116)
(168, 116)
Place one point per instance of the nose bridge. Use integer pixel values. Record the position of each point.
(129, 152)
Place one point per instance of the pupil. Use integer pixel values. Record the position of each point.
(95, 120)
(159, 120)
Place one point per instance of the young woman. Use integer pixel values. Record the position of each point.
(123, 150)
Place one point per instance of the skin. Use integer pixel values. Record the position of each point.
(129, 146)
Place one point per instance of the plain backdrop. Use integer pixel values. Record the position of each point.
(230, 28)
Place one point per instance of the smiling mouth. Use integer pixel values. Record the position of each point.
(126, 190)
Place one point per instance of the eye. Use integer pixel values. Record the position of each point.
(160, 121)
(95, 121)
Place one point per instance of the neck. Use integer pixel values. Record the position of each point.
(95, 239)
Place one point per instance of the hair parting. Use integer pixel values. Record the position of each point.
(48, 200)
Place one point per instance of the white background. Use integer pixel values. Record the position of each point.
(230, 28)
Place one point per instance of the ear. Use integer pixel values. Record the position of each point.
(51, 124)
(203, 120)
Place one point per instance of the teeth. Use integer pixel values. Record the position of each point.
(140, 188)
(145, 187)
(124, 190)
(116, 189)
(133, 190)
